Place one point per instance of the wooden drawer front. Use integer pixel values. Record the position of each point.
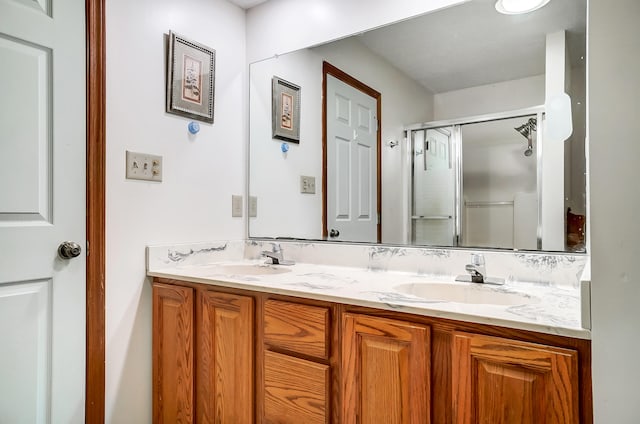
(297, 328)
(295, 390)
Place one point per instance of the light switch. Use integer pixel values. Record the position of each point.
(307, 184)
(253, 206)
(236, 206)
(143, 166)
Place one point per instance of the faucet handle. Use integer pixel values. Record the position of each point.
(477, 259)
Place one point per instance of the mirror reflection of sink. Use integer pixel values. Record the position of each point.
(250, 269)
(472, 293)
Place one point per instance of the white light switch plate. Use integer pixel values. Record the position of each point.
(143, 166)
(307, 184)
(253, 206)
(236, 206)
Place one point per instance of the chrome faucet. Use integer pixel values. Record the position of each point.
(276, 255)
(478, 272)
(476, 268)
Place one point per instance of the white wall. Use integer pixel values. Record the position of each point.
(553, 161)
(200, 174)
(575, 160)
(274, 176)
(498, 173)
(490, 98)
(614, 150)
(282, 26)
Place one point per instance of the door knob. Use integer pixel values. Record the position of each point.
(334, 233)
(69, 250)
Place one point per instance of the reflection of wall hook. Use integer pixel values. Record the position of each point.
(392, 143)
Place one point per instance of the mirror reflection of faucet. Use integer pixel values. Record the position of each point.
(275, 256)
(478, 272)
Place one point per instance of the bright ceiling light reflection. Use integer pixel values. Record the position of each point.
(515, 7)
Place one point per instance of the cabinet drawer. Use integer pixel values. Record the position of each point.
(295, 390)
(297, 328)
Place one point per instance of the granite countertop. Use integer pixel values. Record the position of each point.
(535, 306)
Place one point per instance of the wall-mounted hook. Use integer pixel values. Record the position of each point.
(284, 147)
(392, 143)
(194, 127)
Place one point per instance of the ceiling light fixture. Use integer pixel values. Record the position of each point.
(516, 7)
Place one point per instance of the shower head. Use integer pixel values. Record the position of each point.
(524, 130)
(527, 128)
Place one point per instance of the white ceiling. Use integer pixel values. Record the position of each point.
(247, 4)
(471, 44)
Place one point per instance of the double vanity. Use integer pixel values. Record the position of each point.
(371, 334)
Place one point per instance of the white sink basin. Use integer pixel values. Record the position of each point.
(249, 269)
(472, 293)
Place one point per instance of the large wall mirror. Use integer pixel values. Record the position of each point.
(463, 127)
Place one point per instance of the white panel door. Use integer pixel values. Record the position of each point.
(351, 163)
(42, 203)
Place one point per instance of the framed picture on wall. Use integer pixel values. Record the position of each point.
(286, 110)
(190, 78)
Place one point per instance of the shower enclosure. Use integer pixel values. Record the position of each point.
(476, 182)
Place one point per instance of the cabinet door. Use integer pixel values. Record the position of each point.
(224, 382)
(172, 354)
(502, 381)
(385, 371)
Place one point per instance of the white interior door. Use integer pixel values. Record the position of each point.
(351, 163)
(42, 203)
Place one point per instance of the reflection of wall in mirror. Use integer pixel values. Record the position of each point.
(274, 177)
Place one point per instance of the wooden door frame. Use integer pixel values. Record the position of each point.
(95, 198)
(329, 69)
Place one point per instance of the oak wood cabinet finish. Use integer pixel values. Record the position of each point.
(296, 357)
(295, 390)
(297, 327)
(379, 341)
(385, 371)
(173, 344)
(502, 381)
(224, 358)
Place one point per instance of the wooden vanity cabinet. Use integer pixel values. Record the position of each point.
(224, 357)
(235, 356)
(385, 371)
(295, 382)
(173, 354)
(502, 381)
(203, 355)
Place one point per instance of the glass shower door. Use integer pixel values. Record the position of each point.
(433, 208)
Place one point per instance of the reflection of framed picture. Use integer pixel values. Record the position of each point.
(190, 78)
(286, 110)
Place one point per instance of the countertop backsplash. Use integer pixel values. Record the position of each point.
(557, 269)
